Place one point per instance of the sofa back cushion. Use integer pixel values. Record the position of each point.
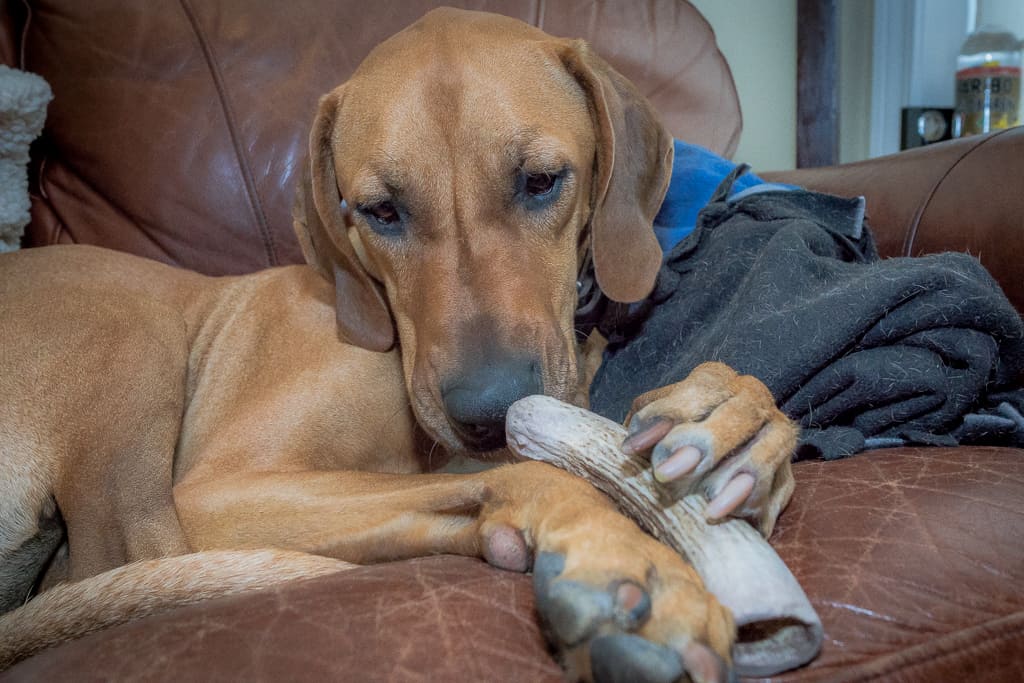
(177, 128)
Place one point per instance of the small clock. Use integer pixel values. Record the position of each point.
(925, 125)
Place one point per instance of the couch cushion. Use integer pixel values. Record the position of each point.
(177, 128)
(430, 619)
(913, 558)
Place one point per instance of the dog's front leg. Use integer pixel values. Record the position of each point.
(617, 604)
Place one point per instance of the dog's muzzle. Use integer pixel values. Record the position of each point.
(477, 400)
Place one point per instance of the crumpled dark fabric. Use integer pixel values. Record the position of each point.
(861, 352)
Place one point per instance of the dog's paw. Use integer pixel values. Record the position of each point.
(622, 607)
(719, 433)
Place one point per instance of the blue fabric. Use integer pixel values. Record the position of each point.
(696, 172)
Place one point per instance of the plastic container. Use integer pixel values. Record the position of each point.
(988, 80)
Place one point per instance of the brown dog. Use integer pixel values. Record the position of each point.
(152, 413)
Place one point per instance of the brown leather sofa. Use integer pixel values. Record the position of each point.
(175, 133)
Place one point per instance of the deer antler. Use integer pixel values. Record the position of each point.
(778, 628)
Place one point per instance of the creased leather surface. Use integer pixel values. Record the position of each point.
(431, 619)
(178, 127)
(913, 558)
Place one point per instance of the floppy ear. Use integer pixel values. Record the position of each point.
(320, 225)
(633, 168)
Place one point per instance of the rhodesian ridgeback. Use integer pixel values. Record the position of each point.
(160, 428)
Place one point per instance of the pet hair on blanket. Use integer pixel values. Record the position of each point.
(23, 100)
(861, 352)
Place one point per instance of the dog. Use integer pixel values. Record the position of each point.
(184, 436)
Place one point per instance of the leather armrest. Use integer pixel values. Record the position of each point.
(12, 21)
(963, 195)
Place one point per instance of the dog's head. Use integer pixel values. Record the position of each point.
(455, 183)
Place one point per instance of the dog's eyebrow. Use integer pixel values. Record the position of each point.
(528, 147)
(381, 181)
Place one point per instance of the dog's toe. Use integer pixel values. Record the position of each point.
(575, 611)
(605, 631)
(628, 658)
(572, 611)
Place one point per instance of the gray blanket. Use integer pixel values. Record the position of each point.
(862, 352)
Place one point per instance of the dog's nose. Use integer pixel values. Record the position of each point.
(477, 399)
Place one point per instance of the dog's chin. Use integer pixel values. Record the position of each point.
(466, 443)
(464, 446)
(488, 449)
(498, 456)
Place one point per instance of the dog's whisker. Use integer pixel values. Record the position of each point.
(430, 454)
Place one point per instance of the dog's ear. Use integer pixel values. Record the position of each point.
(319, 221)
(633, 168)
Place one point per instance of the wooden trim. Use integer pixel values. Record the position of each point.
(817, 78)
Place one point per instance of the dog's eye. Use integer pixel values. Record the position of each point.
(384, 213)
(540, 184)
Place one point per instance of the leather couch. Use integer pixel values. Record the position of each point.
(176, 133)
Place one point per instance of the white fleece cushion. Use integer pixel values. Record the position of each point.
(23, 100)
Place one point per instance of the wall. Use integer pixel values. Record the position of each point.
(856, 29)
(914, 55)
(758, 39)
(884, 64)
(1009, 13)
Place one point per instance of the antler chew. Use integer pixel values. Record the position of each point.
(778, 628)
